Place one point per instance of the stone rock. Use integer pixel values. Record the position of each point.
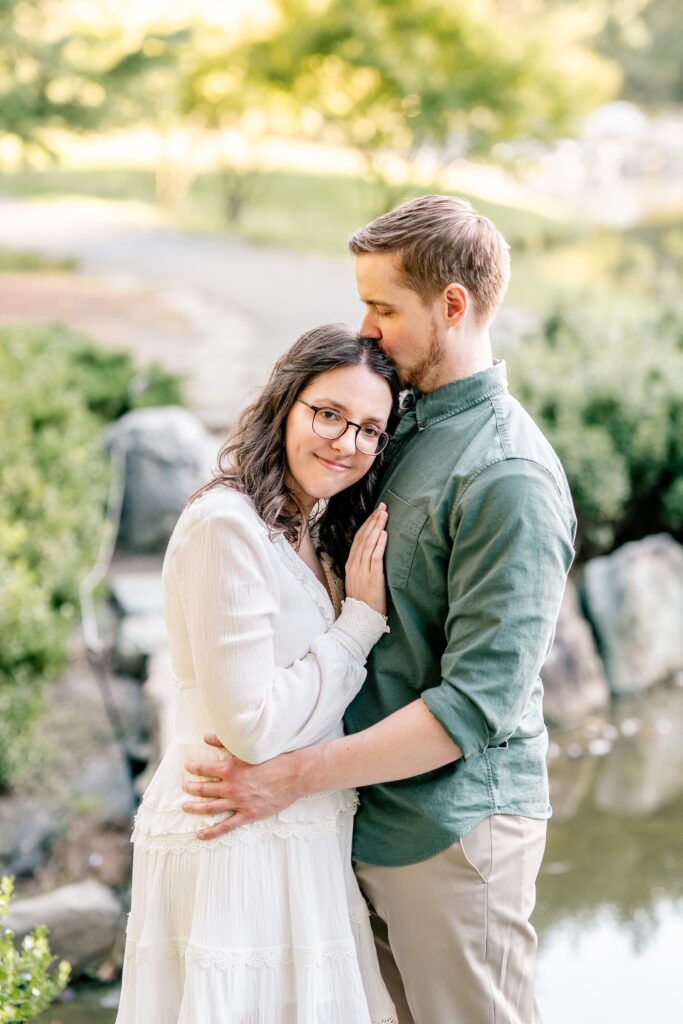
(573, 676)
(644, 771)
(168, 455)
(160, 696)
(104, 790)
(634, 598)
(571, 781)
(138, 638)
(138, 593)
(83, 920)
(27, 832)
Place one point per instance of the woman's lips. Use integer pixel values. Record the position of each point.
(337, 467)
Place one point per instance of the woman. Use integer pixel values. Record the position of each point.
(267, 925)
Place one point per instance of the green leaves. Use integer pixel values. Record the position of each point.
(52, 490)
(26, 984)
(608, 392)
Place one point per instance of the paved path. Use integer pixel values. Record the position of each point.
(245, 304)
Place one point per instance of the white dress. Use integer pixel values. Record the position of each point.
(266, 925)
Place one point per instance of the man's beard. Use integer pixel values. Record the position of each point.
(419, 375)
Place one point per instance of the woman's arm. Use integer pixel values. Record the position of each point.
(229, 593)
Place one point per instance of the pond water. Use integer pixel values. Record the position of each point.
(610, 896)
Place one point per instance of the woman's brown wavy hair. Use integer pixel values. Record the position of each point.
(253, 458)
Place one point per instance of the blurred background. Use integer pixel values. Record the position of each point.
(177, 184)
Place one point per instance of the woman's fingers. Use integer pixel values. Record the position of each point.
(369, 525)
(377, 556)
(372, 537)
(364, 545)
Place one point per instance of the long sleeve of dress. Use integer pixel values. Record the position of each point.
(229, 593)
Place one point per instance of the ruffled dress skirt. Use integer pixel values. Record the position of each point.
(265, 925)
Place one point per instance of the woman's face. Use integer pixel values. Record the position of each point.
(318, 467)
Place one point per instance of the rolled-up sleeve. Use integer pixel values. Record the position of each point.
(513, 540)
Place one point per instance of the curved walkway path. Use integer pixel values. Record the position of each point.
(218, 309)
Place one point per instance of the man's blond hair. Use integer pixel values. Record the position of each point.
(442, 240)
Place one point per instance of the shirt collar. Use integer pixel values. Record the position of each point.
(459, 395)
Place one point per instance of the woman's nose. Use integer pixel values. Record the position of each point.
(346, 444)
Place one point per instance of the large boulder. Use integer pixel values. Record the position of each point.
(168, 455)
(634, 598)
(142, 629)
(573, 677)
(644, 771)
(83, 920)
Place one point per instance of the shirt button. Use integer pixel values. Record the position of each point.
(422, 424)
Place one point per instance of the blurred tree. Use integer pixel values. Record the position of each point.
(645, 37)
(388, 78)
(223, 91)
(55, 76)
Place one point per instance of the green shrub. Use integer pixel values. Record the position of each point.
(26, 984)
(109, 382)
(53, 477)
(608, 392)
(56, 391)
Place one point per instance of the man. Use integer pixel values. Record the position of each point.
(446, 738)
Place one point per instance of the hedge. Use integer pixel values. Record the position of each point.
(56, 391)
(608, 392)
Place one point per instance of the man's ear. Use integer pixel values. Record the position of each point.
(457, 301)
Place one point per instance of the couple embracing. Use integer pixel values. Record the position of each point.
(361, 600)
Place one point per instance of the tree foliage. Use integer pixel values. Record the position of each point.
(646, 39)
(54, 75)
(386, 77)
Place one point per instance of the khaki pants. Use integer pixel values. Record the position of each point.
(457, 928)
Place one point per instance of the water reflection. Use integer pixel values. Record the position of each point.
(610, 896)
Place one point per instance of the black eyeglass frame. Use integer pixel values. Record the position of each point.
(349, 423)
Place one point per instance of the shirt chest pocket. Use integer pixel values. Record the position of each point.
(404, 528)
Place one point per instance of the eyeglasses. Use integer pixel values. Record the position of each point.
(329, 423)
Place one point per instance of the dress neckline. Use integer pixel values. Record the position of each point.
(306, 576)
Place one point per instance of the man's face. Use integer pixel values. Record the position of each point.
(406, 329)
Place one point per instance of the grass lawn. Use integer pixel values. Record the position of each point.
(313, 212)
(21, 261)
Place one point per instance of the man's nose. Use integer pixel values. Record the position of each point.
(369, 328)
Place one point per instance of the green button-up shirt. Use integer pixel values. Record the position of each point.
(481, 530)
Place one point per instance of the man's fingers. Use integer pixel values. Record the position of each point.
(223, 827)
(212, 740)
(204, 807)
(208, 790)
(209, 769)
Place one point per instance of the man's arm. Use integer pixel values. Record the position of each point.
(406, 743)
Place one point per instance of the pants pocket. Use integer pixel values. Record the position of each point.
(476, 847)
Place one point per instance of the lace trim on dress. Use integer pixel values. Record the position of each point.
(226, 959)
(359, 914)
(167, 841)
(176, 805)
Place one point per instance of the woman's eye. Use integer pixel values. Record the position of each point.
(371, 432)
(329, 415)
